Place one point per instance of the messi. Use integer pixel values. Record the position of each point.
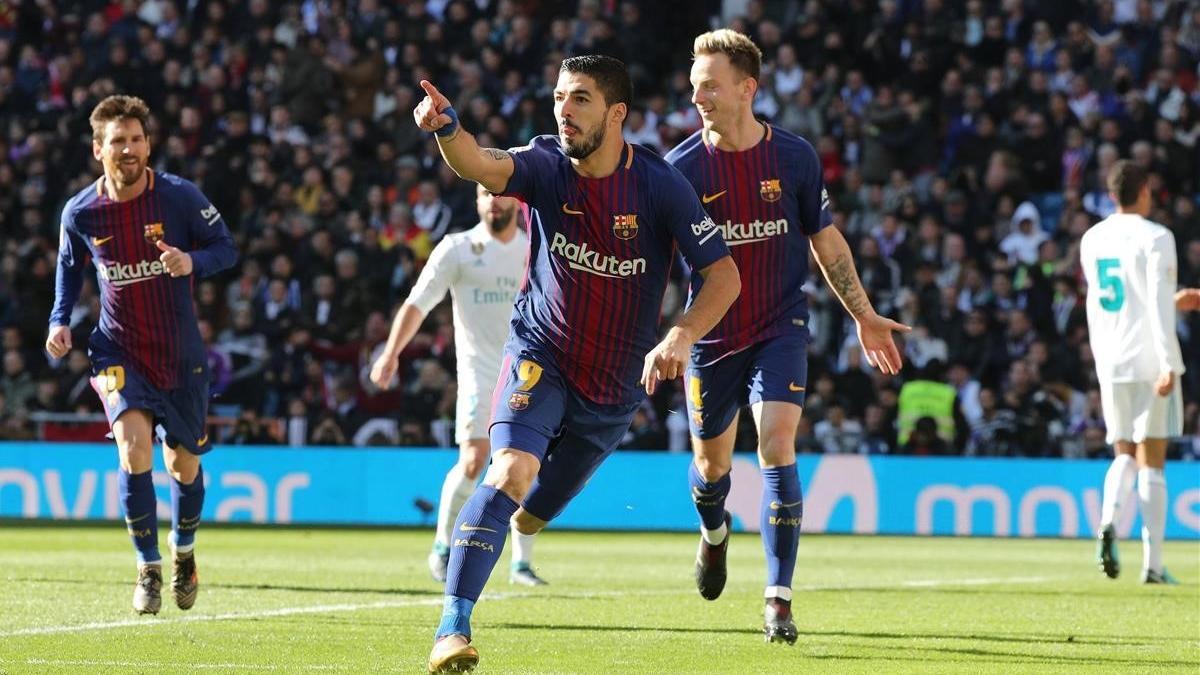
(122, 274)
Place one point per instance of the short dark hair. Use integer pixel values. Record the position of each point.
(1126, 180)
(611, 76)
(118, 107)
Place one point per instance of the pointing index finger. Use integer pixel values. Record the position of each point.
(433, 93)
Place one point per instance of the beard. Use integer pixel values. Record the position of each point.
(125, 174)
(583, 144)
(501, 221)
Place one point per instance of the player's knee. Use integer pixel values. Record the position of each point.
(527, 523)
(473, 458)
(471, 467)
(182, 465)
(777, 449)
(135, 454)
(513, 471)
(711, 468)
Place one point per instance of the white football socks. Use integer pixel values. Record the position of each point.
(714, 537)
(1118, 486)
(522, 551)
(456, 490)
(1152, 491)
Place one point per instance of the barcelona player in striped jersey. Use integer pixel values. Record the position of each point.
(149, 235)
(764, 189)
(606, 220)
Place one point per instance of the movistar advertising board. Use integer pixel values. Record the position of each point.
(631, 491)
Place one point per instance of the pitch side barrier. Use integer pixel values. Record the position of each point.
(631, 491)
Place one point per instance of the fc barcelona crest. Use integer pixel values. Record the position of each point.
(625, 225)
(770, 190)
(519, 400)
(153, 232)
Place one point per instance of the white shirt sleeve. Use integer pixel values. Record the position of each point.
(1161, 283)
(439, 274)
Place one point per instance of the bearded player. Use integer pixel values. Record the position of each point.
(150, 235)
(763, 187)
(482, 269)
(606, 220)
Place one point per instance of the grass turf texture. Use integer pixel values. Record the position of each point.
(293, 600)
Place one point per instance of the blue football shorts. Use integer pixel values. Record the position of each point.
(775, 369)
(536, 410)
(179, 414)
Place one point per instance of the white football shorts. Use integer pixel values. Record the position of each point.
(473, 410)
(1133, 412)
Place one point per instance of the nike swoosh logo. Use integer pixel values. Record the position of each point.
(474, 528)
(708, 198)
(571, 212)
(792, 386)
(99, 241)
(202, 440)
(775, 506)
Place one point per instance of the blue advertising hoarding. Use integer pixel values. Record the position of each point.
(631, 491)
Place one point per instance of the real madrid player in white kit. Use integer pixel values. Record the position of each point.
(1130, 265)
(482, 268)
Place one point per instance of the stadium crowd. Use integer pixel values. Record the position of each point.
(964, 145)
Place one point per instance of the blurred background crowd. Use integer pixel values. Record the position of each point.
(964, 144)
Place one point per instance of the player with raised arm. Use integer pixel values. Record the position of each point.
(482, 268)
(764, 188)
(149, 236)
(606, 220)
(1130, 266)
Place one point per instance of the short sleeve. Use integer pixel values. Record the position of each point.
(439, 273)
(698, 237)
(811, 194)
(530, 162)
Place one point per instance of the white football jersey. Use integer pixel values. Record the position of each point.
(483, 276)
(1130, 266)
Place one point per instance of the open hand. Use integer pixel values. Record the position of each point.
(667, 361)
(875, 336)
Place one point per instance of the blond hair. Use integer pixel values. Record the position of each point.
(742, 52)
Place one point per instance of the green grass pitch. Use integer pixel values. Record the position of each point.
(360, 601)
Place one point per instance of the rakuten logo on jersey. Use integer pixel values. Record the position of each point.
(123, 274)
(580, 257)
(737, 234)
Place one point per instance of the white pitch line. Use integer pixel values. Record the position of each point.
(197, 618)
(389, 604)
(190, 665)
(984, 581)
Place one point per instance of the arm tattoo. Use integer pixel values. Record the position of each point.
(841, 276)
(495, 153)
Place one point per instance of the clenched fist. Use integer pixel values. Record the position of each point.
(58, 343)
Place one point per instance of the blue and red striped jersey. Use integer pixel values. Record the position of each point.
(767, 201)
(146, 317)
(600, 254)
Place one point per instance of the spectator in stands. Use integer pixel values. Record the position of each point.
(973, 137)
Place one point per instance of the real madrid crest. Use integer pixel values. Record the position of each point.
(477, 247)
(770, 190)
(625, 225)
(519, 400)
